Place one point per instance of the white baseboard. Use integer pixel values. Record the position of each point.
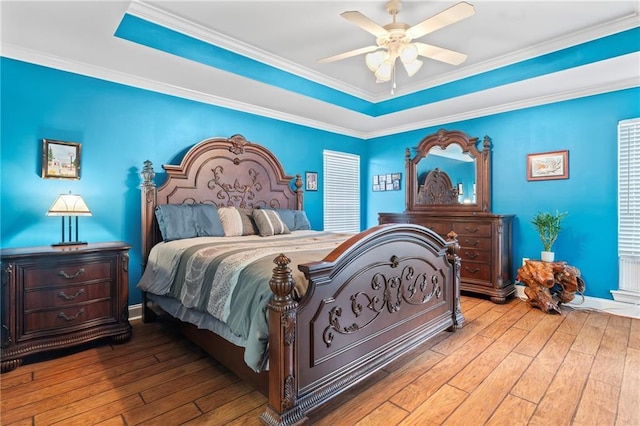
(595, 303)
(135, 311)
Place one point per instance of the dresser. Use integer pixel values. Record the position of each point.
(56, 297)
(448, 188)
(485, 247)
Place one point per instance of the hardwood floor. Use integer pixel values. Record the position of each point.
(509, 365)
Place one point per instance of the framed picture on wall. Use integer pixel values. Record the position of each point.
(311, 181)
(60, 160)
(548, 165)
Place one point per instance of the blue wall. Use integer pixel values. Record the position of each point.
(587, 127)
(120, 127)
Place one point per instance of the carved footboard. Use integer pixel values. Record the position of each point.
(372, 299)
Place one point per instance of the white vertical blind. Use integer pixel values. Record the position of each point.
(629, 188)
(341, 192)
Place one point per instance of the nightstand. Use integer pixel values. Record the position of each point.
(56, 297)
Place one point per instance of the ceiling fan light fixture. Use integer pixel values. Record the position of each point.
(412, 67)
(383, 73)
(409, 53)
(375, 59)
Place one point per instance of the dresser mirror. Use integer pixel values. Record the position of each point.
(448, 172)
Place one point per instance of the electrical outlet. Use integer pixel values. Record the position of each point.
(524, 259)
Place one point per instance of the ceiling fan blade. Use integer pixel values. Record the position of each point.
(454, 14)
(440, 54)
(363, 22)
(348, 54)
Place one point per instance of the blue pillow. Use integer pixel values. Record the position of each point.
(296, 220)
(288, 217)
(177, 221)
(301, 221)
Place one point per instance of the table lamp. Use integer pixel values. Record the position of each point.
(69, 205)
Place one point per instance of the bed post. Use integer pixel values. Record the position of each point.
(454, 259)
(283, 386)
(299, 193)
(149, 199)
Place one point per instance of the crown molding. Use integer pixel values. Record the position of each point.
(47, 60)
(50, 61)
(510, 106)
(163, 18)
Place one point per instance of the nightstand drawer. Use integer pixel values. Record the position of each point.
(472, 228)
(65, 296)
(69, 316)
(67, 273)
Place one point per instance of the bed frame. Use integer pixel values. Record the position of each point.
(372, 299)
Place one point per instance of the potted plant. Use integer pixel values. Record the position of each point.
(548, 226)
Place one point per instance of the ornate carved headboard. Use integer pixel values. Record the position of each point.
(220, 171)
(437, 189)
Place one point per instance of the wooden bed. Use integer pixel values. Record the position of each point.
(372, 299)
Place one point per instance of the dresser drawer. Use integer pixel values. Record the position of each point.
(474, 243)
(472, 228)
(440, 228)
(65, 296)
(67, 273)
(475, 255)
(475, 271)
(69, 316)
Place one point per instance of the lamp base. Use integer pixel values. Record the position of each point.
(69, 243)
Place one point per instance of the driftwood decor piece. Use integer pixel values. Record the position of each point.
(549, 284)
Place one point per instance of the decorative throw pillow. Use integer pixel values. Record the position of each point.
(237, 221)
(248, 224)
(269, 223)
(177, 221)
(231, 221)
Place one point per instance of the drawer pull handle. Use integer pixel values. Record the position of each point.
(473, 231)
(472, 271)
(63, 295)
(68, 318)
(471, 255)
(468, 242)
(70, 277)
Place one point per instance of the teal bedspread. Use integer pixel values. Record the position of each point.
(228, 278)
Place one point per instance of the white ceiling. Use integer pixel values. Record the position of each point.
(78, 36)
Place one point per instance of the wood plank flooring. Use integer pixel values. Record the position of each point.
(509, 365)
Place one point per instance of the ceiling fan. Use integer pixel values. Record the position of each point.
(394, 41)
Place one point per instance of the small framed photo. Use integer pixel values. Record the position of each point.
(60, 160)
(311, 181)
(548, 165)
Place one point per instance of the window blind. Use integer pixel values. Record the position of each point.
(341, 191)
(629, 188)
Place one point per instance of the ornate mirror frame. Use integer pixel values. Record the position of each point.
(443, 138)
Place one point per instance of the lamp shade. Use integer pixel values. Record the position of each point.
(383, 73)
(412, 67)
(374, 60)
(69, 205)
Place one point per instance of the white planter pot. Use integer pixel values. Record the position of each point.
(547, 256)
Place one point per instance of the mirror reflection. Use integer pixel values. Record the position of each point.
(451, 174)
